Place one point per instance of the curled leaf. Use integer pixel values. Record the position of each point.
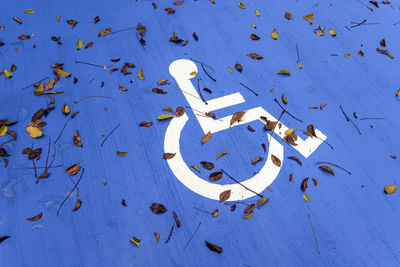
(213, 247)
(306, 198)
(284, 72)
(158, 208)
(77, 205)
(327, 169)
(261, 201)
(221, 154)
(35, 218)
(168, 155)
(248, 216)
(206, 137)
(165, 116)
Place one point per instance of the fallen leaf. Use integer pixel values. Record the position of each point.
(274, 34)
(327, 169)
(221, 154)
(7, 73)
(213, 247)
(261, 201)
(206, 137)
(104, 32)
(73, 169)
(34, 132)
(29, 11)
(238, 67)
(207, 165)
(284, 99)
(141, 29)
(237, 116)
(62, 73)
(304, 184)
(77, 205)
(225, 195)
(296, 159)
(309, 17)
(276, 160)
(196, 167)
(77, 139)
(122, 154)
(306, 198)
(256, 159)
(122, 88)
(249, 208)
(178, 222)
(179, 111)
(79, 45)
(158, 208)
(241, 5)
(390, 189)
(248, 216)
(215, 176)
(140, 74)
(96, 19)
(165, 116)
(168, 155)
(288, 15)
(35, 218)
(135, 241)
(3, 238)
(3, 130)
(145, 124)
(332, 32)
(284, 72)
(254, 56)
(157, 236)
(315, 181)
(158, 91)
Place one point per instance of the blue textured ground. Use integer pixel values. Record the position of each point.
(356, 223)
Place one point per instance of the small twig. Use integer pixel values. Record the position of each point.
(76, 102)
(208, 73)
(350, 120)
(298, 55)
(170, 234)
(394, 24)
(54, 156)
(7, 142)
(34, 167)
(203, 210)
(91, 64)
(51, 93)
(77, 189)
(185, 92)
(32, 84)
(70, 192)
(127, 29)
(362, 3)
(30, 168)
(62, 130)
(109, 135)
(201, 95)
(276, 100)
(347, 28)
(194, 233)
(261, 196)
(315, 235)
(248, 88)
(325, 162)
(239, 202)
(202, 63)
(373, 119)
(47, 158)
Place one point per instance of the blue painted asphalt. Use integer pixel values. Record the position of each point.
(355, 222)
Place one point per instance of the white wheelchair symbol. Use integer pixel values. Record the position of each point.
(181, 70)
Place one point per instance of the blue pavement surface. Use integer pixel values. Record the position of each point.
(355, 222)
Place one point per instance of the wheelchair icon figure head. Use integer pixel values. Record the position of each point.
(183, 71)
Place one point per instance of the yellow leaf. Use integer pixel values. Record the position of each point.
(62, 73)
(306, 197)
(309, 17)
(196, 167)
(319, 32)
(299, 65)
(7, 73)
(261, 201)
(274, 34)
(34, 132)
(221, 154)
(193, 73)
(284, 72)
(30, 11)
(248, 216)
(390, 189)
(215, 213)
(165, 116)
(169, 109)
(398, 92)
(39, 88)
(66, 109)
(257, 13)
(230, 69)
(79, 45)
(205, 138)
(122, 154)
(254, 26)
(361, 53)
(2, 27)
(284, 99)
(347, 55)
(327, 169)
(289, 131)
(58, 18)
(140, 74)
(241, 5)
(3, 130)
(332, 32)
(135, 241)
